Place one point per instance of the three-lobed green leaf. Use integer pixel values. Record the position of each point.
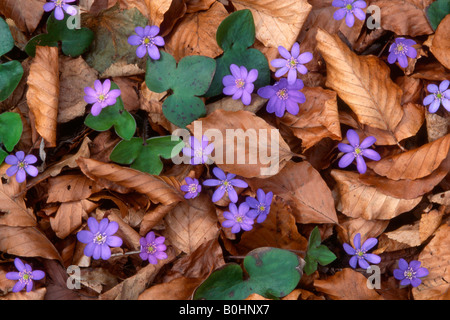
(317, 253)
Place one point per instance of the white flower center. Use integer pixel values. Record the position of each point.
(99, 238)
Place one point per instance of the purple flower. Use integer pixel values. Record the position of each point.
(101, 97)
(291, 63)
(100, 238)
(438, 96)
(360, 254)
(283, 97)
(60, 5)
(237, 219)
(152, 248)
(226, 183)
(260, 206)
(240, 83)
(400, 49)
(356, 150)
(410, 273)
(192, 187)
(26, 275)
(21, 165)
(148, 41)
(349, 9)
(198, 151)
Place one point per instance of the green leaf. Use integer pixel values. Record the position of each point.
(115, 115)
(317, 253)
(146, 157)
(10, 74)
(236, 52)
(6, 39)
(74, 42)
(3, 155)
(437, 11)
(273, 273)
(191, 78)
(11, 128)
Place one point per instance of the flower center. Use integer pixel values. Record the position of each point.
(101, 97)
(360, 253)
(261, 208)
(151, 248)
(25, 276)
(22, 165)
(59, 3)
(358, 151)
(282, 94)
(239, 219)
(401, 49)
(349, 7)
(240, 83)
(147, 41)
(192, 188)
(99, 238)
(292, 63)
(439, 95)
(409, 273)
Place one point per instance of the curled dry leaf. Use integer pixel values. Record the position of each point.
(195, 33)
(414, 164)
(317, 119)
(70, 188)
(304, 190)
(358, 200)
(13, 210)
(69, 217)
(191, 223)
(178, 289)
(26, 13)
(347, 284)
(153, 217)
(363, 82)
(198, 5)
(441, 43)
(129, 236)
(276, 22)
(159, 189)
(43, 92)
(349, 227)
(244, 143)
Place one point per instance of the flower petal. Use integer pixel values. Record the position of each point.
(134, 40)
(402, 264)
(93, 225)
(284, 53)
(444, 85)
(105, 252)
(232, 195)
(85, 236)
(432, 88)
(422, 272)
(346, 160)
(21, 176)
(235, 71)
(38, 274)
(353, 261)
(11, 160)
(361, 165)
(357, 241)
(218, 194)
(32, 170)
(349, 249)
(278, 63)
(343, 147)
(399, 274)
(295, 50)
(20, 266)
(367, 142)
(353, 138)
(372, 258)
(371, 154)
(339, 14)
(428, 99)
(112, 228)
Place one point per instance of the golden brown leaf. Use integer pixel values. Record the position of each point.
(363, 82)
(191, 223)
(349, 227)
(25, 13)
(178, 289)
(198, 5)
(347, 284)
(43, 92)
(152, 103)
(304, 190)
(277, 23)
(358, 200)
(229, 104)
(441, 43)
(69, 217)
(195, 33)
(65, 188)
(13, 210)
(317, 119)
(129, 236)
(36, 294)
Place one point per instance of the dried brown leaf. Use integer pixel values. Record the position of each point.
(229, 104)
(13, 210)
(26, 13)
(441, 43)
(178, 289)
(69, 217)
(37, 294)
(198, 5)
(65, 188)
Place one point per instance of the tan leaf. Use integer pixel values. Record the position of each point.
(128, 92)
(129, 236)
(318, 117)
(178, 289)
(36, 294)
(411, 89)
(413, 164)
(363, 82)
(153, 10)
(152, 103)
(347, 284)
(435, 257)
(153, 217)
(279, 230)
(442, 198)
(43, 92)
(75, 75)
(229, 104)
(358, 200)
(429, 222)
(437, 125)
(13, 210)
(349, 227)
(304, 190)
(159, 189)
(441, 43)
(406, 236)
(69, 217)
(191, 223)
(65, 188)
(26, 13)
(27, 242)
(276, 22)
(198, 5)
(195, 33)
(264, 153)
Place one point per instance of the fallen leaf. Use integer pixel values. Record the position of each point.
(442, 198)
(198, 5)
(229, 104)
(65, 188)
(304, 190)
(36, 294)
(437, 126)
(43, 92)
(152, 103)
(178, 289)
(69, 217)
(13, 210)
(129, 236)
(441, 43)
(349, 227)
(26, 13)
(429, 222)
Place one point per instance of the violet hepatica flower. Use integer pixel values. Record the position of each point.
(153, 248)
(260, 207)
(59, 6)
(438, 95)
(101, 96)
(239, 84)
(409, 274)
(198, 151)
(192, 188)
(292, 62)
(148, 41)
(359, 252)
(99, 238)
(356, 151)
(25, 276)
(400, 50)
(283, 97)
(349, 9)
(21, 165)
(237, 219)
(226, 183)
